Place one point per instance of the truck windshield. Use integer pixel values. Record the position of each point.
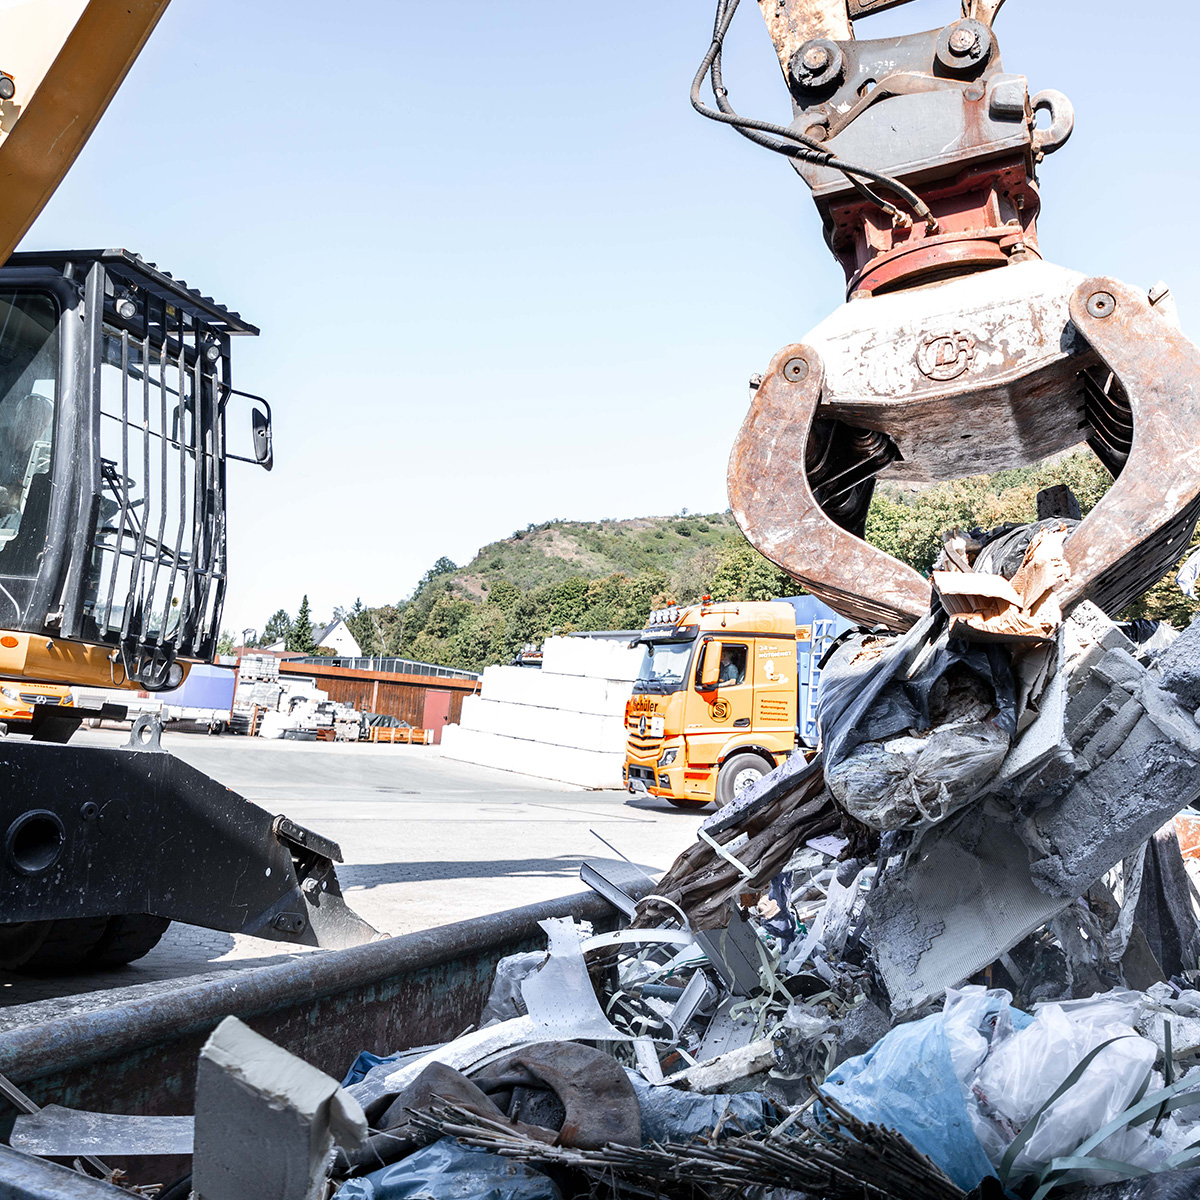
(664, 667)
(28, 378)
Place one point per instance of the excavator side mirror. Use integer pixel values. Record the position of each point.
(709, 669)
(260, 426)
(261, 449)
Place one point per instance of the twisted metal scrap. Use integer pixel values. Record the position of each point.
(844, 1160)
(701, 882)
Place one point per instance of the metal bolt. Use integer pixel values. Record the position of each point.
(974, 92)
(311, 887)
(816, 58)
(90, 810)
(795, 370)
(962, 41)
(1101, 305)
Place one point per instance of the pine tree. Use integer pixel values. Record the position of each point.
(300, 635)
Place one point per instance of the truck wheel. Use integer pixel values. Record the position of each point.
(738, 773)
(34, 946)
(127, 938)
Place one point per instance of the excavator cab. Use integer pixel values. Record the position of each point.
(117, 419)
(116, 407)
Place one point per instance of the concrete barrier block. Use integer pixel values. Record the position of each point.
(565, 764)
(595, 658)
(554, 726)
(543, 689)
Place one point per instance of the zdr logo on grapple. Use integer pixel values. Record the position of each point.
(946, 356)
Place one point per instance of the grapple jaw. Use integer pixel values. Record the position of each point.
(988, 372)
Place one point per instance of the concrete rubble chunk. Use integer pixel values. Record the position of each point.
(266, 1121)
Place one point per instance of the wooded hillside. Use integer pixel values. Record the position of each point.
(562, 576)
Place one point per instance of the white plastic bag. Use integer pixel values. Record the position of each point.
(1026, 1067)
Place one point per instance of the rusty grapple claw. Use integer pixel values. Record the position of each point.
(960, 351)
(987, 372)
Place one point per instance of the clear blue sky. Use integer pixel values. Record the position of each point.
(505, 274)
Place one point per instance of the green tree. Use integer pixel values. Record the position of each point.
(300, 633)
(443, 566)
(276, 628)
(225, 644)
(504, 594)
(743, 574)
(910, 526)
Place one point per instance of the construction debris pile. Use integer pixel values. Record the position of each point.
(956, 953)
(290, 707)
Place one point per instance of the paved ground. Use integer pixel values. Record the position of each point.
(426, 841)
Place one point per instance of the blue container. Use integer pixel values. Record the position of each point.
(817, 627)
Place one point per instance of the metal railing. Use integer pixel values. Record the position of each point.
(393, 666)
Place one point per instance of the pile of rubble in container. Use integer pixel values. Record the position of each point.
(955, 954)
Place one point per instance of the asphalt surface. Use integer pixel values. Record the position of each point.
(426, 841)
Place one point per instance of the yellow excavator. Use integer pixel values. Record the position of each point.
(116, 424)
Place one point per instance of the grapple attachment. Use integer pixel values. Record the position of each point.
(959, 351)
(1034, 360)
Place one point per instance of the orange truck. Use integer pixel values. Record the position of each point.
(725, 693)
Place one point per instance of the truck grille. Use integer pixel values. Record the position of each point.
(646, 747)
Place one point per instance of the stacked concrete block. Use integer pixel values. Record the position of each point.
(593, 657)
(565, 721)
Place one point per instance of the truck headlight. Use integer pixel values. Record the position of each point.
(11, 693)
(668, 758)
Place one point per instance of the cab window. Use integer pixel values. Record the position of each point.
(28, 380)
(733, 665)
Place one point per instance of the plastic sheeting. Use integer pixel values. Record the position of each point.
(362, 1066)
(913, 727)
(1025, 1068)
(910, 1081)
(448, 1171)
(505, 1000)
(670, 1115)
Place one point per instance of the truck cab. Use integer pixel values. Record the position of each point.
(714, 707)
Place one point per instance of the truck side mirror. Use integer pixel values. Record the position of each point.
(709, 671)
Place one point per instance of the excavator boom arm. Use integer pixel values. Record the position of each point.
(63, 61)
